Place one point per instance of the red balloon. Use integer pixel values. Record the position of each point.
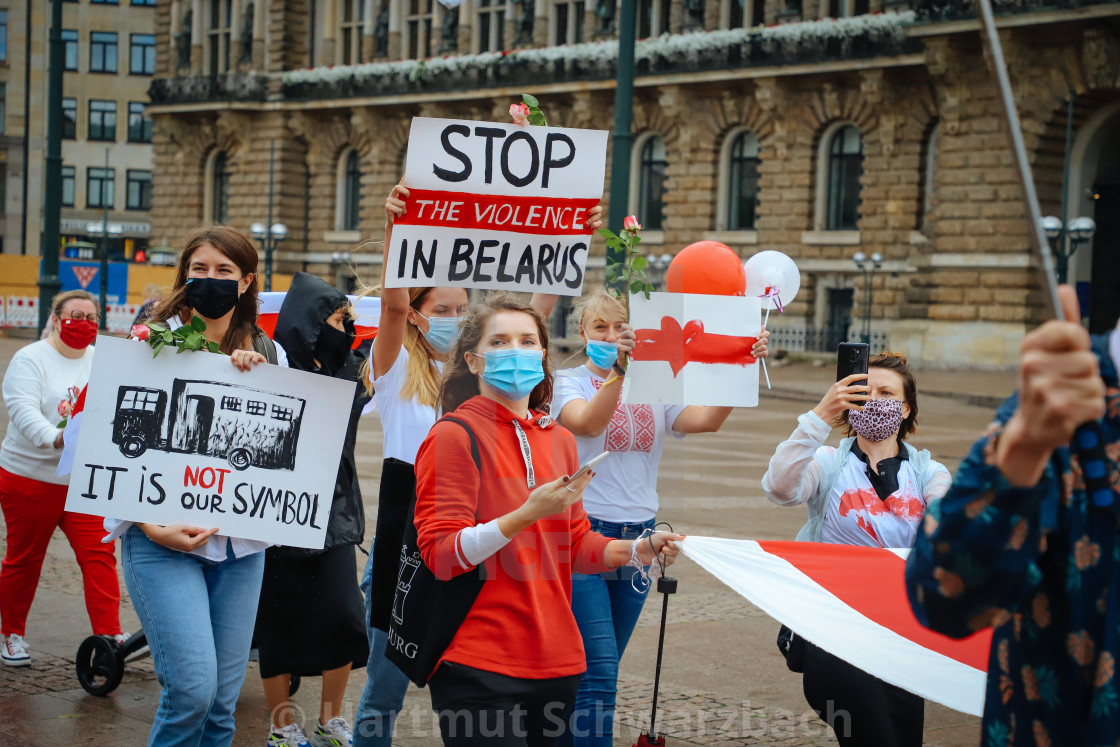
(707, 267)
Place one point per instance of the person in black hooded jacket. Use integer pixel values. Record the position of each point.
(311, 617)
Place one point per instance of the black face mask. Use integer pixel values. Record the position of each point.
(212, 298)
(331, 349)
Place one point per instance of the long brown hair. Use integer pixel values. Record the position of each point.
(459, 384)
(240, 250)
(892, 362)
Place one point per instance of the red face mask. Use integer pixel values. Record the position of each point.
(78, 333)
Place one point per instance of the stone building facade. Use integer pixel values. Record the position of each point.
(820, 129)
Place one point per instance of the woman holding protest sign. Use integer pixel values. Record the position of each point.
(310, 620)
(417, 330)
(41, 386)
(194, 590)
(497, 486)
(870, 490)
(621, 502)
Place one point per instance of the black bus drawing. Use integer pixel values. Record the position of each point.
(247, 427)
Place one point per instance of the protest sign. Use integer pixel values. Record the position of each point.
(496, 206)
(693, 349)
(189, 439)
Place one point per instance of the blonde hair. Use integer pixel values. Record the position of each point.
(600, 305)
(422, 378)
(59, 302)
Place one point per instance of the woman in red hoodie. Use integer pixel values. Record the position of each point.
(513, 666)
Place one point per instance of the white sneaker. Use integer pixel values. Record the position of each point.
(14, 652)
(288, 736)
(337, 733)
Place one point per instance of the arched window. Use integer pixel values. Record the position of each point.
(651, 182)
(218, 188)
(349, 192)
(742, 181)
(843, 161)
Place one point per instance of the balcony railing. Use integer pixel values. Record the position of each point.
(951, 10)
(197, 89)
(795, 43)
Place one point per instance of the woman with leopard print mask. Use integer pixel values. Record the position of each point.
(870, 490)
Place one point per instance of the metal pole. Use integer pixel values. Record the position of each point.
(622, 140)
(1065, 247)
(268, 234)
(105, 245)
(49, 284)
(1019, 150)
(26, 130)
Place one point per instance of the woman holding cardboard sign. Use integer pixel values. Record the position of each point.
(497, 487)
(196, 591)
(40, 388)
(417, 330)
(622, 502)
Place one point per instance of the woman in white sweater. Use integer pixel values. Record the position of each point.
(40, 387)
(871, 490)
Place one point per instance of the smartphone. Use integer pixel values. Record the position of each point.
(852, 358)
(590, 463)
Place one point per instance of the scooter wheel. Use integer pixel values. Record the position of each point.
(100, 665)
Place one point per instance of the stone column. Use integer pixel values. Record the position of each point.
(330, 22)
(541, 14)
(466, 27)
(396, 24)
(235, 33)
(260, 54)
(197, 62)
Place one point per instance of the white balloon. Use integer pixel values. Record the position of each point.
(772, 271)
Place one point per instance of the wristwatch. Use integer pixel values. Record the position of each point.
(619, 370)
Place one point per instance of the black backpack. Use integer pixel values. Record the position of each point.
(427, 612)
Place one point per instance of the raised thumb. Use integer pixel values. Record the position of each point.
(1071, 309)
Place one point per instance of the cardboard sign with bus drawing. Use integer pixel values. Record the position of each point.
(187, 438)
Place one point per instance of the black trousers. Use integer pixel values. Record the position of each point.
(862, 710)
(482, 708)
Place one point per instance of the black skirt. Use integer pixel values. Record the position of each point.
(311, 617)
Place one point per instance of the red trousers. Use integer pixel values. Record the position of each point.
(32, 511)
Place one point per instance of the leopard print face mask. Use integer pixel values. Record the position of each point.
(878, 420)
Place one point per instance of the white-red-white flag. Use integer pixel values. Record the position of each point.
(367, 314)
(851, 601)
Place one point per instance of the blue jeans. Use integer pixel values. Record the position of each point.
(606, 608)
(383, 695)
(198, 616)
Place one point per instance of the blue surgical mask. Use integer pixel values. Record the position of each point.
(513, 373)
(443, 332)
(602, 354)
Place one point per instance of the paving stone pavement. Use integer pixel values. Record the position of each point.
(723, 681)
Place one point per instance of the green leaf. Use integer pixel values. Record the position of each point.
(607, 233)
(214, 347)
(615, 243)
(530, 100)
(198, 324)
(157, 326)
(168, 337)
(638, 264)
(156, 347)
(635, 241)
(536, 117)
(637, 286)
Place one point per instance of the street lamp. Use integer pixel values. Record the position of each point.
(106, 229)
(868, 266)
(661, 265)
(1064, 239)
(269, 238)
(340, 260)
